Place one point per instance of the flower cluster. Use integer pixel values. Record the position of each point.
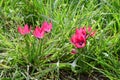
(25, 30)
(81, 35)
(38, 32)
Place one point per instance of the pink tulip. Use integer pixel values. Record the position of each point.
(81, 31)
(25, 30)
(74, 51)
(89, 29)
(91, 33)
(79, 41)
(38, 32)
(47, 27)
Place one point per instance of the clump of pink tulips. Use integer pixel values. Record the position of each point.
(80, 37)
(38, 32)
(33, 47)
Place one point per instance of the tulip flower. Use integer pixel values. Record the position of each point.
(74, 51)
(81, 31)
(47, 27)
(79, 41)
(90, 32)
(24, 30)
(38, 32)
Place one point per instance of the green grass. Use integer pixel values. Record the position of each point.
(98, 60)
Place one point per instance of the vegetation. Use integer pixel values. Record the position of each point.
(50, 58)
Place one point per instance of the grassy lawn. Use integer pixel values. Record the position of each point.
(25, 57)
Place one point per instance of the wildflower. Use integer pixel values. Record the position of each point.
(74, 51)
(47, 27)
(78, 40)
(81, 31)
(38, 32)
(87, 32)
(89, 29)
(91, 32)
(24, 30)
(81, 35)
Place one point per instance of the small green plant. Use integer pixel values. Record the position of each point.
(33, 42)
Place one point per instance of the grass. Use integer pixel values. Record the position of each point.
(99, 60)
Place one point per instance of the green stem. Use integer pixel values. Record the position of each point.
(28, 51)
(39, 47)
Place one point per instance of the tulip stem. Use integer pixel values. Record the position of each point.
(40, 47)
(28, 48)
